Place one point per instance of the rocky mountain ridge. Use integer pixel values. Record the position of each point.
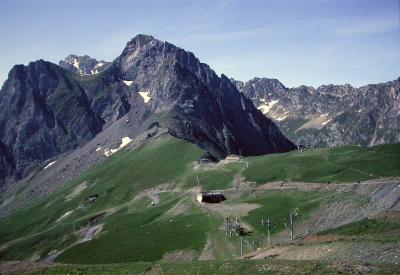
(48, 111)
(329, 115)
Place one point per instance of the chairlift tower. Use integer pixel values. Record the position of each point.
(241, 245)
(292, 217)
(228, 225)
(301, 144)
(267, 223)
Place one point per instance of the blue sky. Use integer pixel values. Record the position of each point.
(310, 42)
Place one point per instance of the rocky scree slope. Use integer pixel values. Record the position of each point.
(329, 115)
(47, 110)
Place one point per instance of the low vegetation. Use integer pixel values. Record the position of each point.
(366, 227)
(115, 194)
(341, 164)
(277, 205)
(223, 267)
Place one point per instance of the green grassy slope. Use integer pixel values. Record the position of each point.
(143, 236)
(135, 231)
(116, 182)
(277, 205)
(341, 164)
(378, 229)
(222, 267)
(219, 178)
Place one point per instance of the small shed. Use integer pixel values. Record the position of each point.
(233, 158)
(210, 197)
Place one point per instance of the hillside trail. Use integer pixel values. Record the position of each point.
(89, 235)
(277, 185)
(356, 170)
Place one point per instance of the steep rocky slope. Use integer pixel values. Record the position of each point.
(331, 114)
(201, 107)
(47, 111)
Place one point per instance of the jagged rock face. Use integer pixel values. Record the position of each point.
(154, 66)
(83, 65)
(331, 114)
(47, 110)
(262, 88)
(202, 107)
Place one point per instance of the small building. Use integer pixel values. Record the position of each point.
(210, 197)
(91, 199)
(230, 159)
(233, 158)
(207, 159)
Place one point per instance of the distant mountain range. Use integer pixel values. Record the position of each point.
(48, 111)
(329, 115)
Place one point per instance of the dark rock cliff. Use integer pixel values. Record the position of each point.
(47, 110)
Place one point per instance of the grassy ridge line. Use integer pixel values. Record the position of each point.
(341, 164)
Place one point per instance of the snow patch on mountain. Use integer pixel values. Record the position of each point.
(125, 141)
(75, 63)
(326, 122)
(98, 65)
(316, 122)
(266, 107)
(145, 96)
(127, 82)
(50, 164)
(277, 118)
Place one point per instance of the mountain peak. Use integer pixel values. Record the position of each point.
(137, 45)
(83, 65)
(268, 81)
(148, 56)
(263, 88)
(141, 39)
(138, 42)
